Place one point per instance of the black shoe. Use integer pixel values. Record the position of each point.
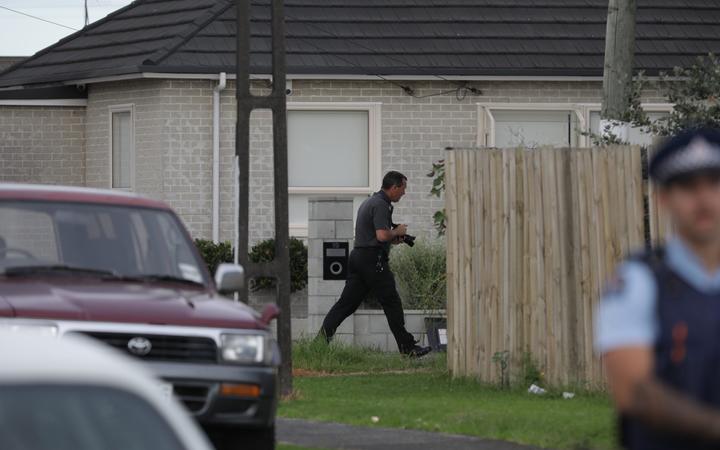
(417, 351)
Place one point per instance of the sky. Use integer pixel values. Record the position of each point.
(24, 36)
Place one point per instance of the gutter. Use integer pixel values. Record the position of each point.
(222, 83)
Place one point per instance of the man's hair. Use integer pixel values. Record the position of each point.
(392, 179)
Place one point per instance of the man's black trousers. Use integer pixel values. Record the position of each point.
(368, 272)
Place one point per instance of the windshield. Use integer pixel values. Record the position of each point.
(119, 240)
(70, 417)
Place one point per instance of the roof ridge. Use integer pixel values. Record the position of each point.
(196, 25)
(72, 36)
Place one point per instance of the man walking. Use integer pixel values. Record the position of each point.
(368, 269)
(659, 321)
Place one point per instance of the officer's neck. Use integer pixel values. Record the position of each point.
(708, 252)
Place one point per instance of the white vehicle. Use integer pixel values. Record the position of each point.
(76, 394)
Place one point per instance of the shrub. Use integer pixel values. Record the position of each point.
(265, 251)
(420, 274)
(215, 254)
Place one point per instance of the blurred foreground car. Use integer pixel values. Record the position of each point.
(74, 394)
(123, 270)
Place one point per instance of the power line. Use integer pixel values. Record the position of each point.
(37, 18)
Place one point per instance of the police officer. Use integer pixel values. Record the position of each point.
(659, 320)
(368, 269)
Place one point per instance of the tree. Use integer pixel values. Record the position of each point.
(693, 91)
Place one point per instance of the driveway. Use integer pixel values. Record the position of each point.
(347, 437)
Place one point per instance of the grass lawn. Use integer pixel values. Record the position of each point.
(429, 399)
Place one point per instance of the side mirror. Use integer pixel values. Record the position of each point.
(269, 313)
(229, 277)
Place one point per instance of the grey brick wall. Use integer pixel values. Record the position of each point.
(173, 126)
(42, 144)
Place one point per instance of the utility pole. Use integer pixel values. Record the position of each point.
(617, 76)
(279, 267)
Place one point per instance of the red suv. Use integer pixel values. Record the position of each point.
(122, 269)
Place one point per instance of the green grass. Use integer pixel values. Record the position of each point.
(317, 356)
(429, 399)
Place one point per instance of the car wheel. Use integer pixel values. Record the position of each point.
(233, 438)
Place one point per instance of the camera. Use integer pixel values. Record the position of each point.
(407, 239)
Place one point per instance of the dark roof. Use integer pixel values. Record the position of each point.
(370, 37)
(7, 61)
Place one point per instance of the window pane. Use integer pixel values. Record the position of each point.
(69, 417)
(328, 148)
(535, 128)
(637, 135)
(26, 234)
(121, 149)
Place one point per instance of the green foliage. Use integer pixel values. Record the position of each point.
(531, 373)
(693, 91)
(438, 187)
(264, 251)
(215, 254)
(420, 274)
(502, 359)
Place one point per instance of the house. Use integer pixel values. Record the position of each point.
(128, 102)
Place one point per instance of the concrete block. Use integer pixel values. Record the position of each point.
(300, 328)
(331, 209)
(378, 324)
(346, 327)
(374, 341)
(344, 229)
(362, 323)
(345, 338)
(320, 304)
(315, 248)
(415, 323)
(324, 229)
(315, 268)
(318, 286)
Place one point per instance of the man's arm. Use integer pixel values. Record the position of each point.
(385, 235)
(638, 394)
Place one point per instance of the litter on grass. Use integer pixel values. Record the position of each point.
(568, 395)
(537, 390)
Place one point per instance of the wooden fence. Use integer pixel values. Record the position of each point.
(532, 237)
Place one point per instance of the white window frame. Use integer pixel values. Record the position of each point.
(597, 107)
(129, 107)
(486, 120)
(374, 153)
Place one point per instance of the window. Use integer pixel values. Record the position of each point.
(122, 147)
(333, 148)
(80, 417)
(517, 125)
(636, 136)
(506, 125)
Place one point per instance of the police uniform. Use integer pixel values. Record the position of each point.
(666, 300)
(368, 271)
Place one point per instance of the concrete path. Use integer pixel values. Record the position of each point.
(347, 437)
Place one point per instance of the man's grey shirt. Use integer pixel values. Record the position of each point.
(375, 213)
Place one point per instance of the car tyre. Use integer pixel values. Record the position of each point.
(233, 438)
